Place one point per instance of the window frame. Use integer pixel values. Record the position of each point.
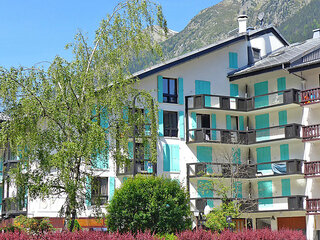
(172, 130)
(97, 189)
(166, 95)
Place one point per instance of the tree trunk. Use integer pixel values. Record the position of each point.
(73, 219)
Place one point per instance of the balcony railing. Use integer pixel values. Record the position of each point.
(243, 137)
(312, 169)
(145, 167)
(310, 133)
(313, 206)
(242, 104)
(310, 96)
(228, 170)
(14, 207)
(266, 204)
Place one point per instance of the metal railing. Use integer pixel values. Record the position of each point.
(313, 206)
(310, 133)
(243, 137)
(14, 206)
(208, 101)
(144, 167)
(310, 96)
(312, 169)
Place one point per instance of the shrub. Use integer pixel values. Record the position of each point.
(33, 225)
(157, 204)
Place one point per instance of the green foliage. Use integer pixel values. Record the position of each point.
(149, 203)
(167, 236)
(32, 225)
(76, 226)
(64, 117)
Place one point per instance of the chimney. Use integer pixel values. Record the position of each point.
(316, 33)
(242, 20)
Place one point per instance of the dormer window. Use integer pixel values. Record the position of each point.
(256, 54)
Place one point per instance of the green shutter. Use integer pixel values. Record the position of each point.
(281, 82)
(161, 123)
(180, 96)
(130, 150)
(236, 155)
(262, 121)
(286, 187)
(263, 156)
(228, 120)
(241, 123)
(265, 190)
(284, 152)
(160, 89)
(204, 190)
(213, 125)
(234, 90)
(111, 187)
(233, 60)
(260, 89)
(88, 191)
(203, 87)
(282, 117)
(103, 118)
(166, 158)
(174, 161)
(238, 189)
(204, 154)
(193, 123)
(148, 122)
(147, 150)
(126, 113)
(181, 124)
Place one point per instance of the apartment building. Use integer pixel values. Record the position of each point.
(243, 111)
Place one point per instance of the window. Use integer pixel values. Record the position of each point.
(170, 90)
(170, 120)
(99, 191)
(256, 54)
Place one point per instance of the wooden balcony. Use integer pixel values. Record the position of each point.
(144, 167)
(12, 207)
(312, 169)
(313, 206)
(212, 135)
(311, 133)
(310, 96)
(218, 102)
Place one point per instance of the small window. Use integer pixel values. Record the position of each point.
(256, 54)
(170, 120)
(170, 90)
(99, 191)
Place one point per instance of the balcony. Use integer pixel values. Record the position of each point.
(13, 207)
(312, 169)
(310, 96)
(311, 133)
(212, 135)
(254, 205)
(217, 102)
(229, 170)
(144, 167)
(313, 206)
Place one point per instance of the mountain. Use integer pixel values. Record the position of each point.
(294, 18)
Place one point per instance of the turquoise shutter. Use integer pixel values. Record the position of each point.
(286, 187)
(88, 191)
(0, 198)
(284, 152)
(262, 121)
(228, 120)
(234, 90)
(130, 150)
(181, 124)
(233, 60)
(166, 158)
(160, 89)
(124, 179)
(180, 96)
(161, 123)
(111, 187)
(204, 154)
(174, 158)
(281, 82)
(93, 113)
(282, 117)
(203, 87)
(265, 190)
(236, 155)
(213, 125)
(260, 89)
(148, 122)
(241, 123)
(204, 191)
(238, 189)
(126, 113)
(147, 151)
(263, 156)
(193, 123)
(103, 118)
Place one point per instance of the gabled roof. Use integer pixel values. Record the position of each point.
(284, 57)
(208, 49)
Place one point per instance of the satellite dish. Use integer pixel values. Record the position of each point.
(260, 16)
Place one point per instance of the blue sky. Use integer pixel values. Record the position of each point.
(37, 30)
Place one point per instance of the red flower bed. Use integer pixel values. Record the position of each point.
(264, 234)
